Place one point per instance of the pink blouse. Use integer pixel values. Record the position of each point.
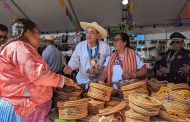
(25, 79)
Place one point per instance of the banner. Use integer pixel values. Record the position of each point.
(62, 3)
(69, 15)
(186, 11)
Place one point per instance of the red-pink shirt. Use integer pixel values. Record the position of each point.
(25, 79)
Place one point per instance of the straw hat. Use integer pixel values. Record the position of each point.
(96, 26)
(49, 38)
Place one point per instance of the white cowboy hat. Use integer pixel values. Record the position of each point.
(49, 37)
(95, 25)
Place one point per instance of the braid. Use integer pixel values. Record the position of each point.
(18, 28)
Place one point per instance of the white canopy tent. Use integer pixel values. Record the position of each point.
(148, 13)
(51, 17)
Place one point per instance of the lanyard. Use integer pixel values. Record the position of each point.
(169, 60)
(96, 51)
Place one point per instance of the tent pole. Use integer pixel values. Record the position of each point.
(17, 6)
(166, 34)
(74, 13)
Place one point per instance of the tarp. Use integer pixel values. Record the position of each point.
(50, 16)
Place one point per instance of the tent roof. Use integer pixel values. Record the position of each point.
(148, 13)
(51, 17)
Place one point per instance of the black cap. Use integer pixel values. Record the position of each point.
(176, 36)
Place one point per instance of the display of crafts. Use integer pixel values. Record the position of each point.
(175, 99)
(138, 103)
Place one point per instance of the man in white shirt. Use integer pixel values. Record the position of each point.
(89, 56)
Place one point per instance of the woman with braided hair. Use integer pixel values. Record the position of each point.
(25, 79)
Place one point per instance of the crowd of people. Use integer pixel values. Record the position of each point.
(27, 79)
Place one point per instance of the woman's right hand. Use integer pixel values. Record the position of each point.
(70, 82)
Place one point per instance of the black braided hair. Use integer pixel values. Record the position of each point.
(18, 29)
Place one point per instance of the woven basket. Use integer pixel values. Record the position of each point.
(133, 115)
(110, 118)
(113, 102)
(109, 111)
(134, 85)
(99, 91)
(72, 110)
(171, 118)
(94, 106)
(176, 105)
(143, 111)
(144, 101)
(91, 118)
(181, 95)
(139, 90)
(127, 119)
(67, 93)
(179, 86)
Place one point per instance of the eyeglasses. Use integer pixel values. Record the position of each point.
(2, 38)
(117, 40)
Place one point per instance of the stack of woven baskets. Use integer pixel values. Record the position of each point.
(142, 107)
(113, 114)
(134, 86)
(132, 116)
(72, 110)
(94, 106)
(98, 94)
(100, 97)
(99, 91)
(66, 93)
(175, 100)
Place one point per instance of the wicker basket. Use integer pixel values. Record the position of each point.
(67, 93)
(176, 106)
(144, 101)
(171, 118)
(72, 110)
(109, 111)
(133, 115)
(144, 111)
(110, 118)
(139, 90)
(113, 101)
(94, 106)
(127, 119)
(180, 86)
(91, 118)
(99, 91)
(134, 85)
(181, 95)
